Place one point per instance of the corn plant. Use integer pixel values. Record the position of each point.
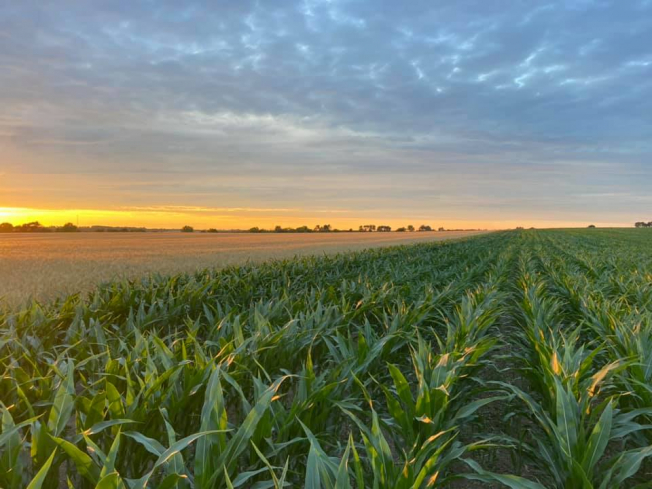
(366, 369)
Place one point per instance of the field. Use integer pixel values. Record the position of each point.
(518, 359)
(47, 266)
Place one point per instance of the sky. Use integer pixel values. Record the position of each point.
(232, 114)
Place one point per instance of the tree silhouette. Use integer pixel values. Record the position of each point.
(30, 227)
(6, 227)
(68, 228)
(187, 229)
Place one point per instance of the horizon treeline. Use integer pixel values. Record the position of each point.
(37, 227)
(327, 228)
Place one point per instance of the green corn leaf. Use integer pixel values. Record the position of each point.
(171, 481)
(321, 470)
(238, 443)
(63, 405)
(10, 433)
(213, 417)
(511, 481)
(101, 426)
(109, 463)
(402, 387)
(598, 439)
(151, 445)
(41, 475)
(169, 454)
(566, 420)
(116, 406)
(628, 464)
(342, 480)
(85, 465)
(111, 481)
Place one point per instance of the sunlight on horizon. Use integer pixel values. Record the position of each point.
(204, 218)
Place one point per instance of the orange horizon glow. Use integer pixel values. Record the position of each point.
(173, 217)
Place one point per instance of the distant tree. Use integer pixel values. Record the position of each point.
(368, 228)
(6, 227)
(325, 228)
(68, 228)
(30, 227)
(425, 227)
(591, 226)
(410, 228)
(187, 229)
(255, 229)
(303, 229)
(401, 230)
(211, 230)
(643, 224)
(384, 229)
(442, 229)
(278, 229)
(519, 227)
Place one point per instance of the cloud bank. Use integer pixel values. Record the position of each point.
(466, 110)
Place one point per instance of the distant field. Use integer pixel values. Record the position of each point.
(45, 266)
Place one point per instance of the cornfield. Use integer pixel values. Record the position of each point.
(516, 359)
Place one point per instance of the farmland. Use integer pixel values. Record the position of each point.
(50, 265)
(517, 359)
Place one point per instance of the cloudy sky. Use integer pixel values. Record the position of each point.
(236, 113)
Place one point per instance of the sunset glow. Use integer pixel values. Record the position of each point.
(204, 218)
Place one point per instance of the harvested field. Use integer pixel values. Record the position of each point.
(46, 266)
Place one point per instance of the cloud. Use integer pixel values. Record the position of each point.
(339, 91)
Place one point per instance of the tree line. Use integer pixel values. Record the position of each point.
(37, 227)
(325, 228)
(642, 224)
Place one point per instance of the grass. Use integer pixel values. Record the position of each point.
(516, 359)
(46, 266)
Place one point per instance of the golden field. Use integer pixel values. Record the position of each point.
(46, 266)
